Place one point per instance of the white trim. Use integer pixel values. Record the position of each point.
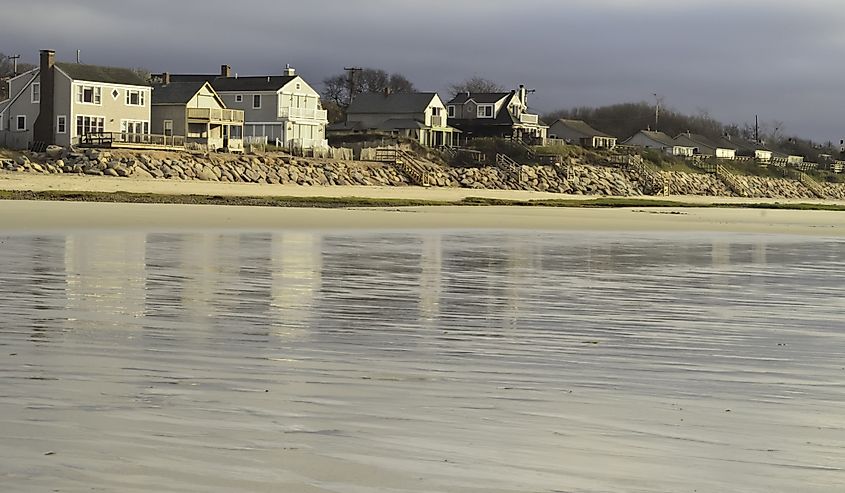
(32, 92)
(18, 123)
(36, 69)
(92, 117)
(78, 94)
(485, 106)
(141, 97)
(239, 98)
(59, 118)
(259, 101)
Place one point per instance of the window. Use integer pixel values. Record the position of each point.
(134, 97)
(485, 111)
(89, 94)
(21, 120)
(298, 86)
(115, 94)
(168, 128)
(256, 101)
(435, 111)
(239, 98)
(61, 124)
(89, 125)
(236, 133)
(451, 111)
(36, 92)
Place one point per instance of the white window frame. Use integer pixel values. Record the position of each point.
(167, 128)
(239, 98)
(135, 92)
(96, 95)
(18, 123)
(451, 111)
(259, 101)
(61, 124)
(481, 111)
(35, 96)
(94, 122)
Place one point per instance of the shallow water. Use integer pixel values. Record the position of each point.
(422, 362)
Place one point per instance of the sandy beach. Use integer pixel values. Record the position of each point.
(37, 215)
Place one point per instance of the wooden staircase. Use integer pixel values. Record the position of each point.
(509, 167)
(405, 162)
(653, 179)
(806, 180)
(727, 176)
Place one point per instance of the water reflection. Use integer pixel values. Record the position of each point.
(439, 361)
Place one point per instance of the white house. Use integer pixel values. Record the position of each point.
(650, 139)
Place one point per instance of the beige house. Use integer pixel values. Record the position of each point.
(580, 133)
(195, 111)
(278, 109)
(498, 114)
(419, 115)
(67, 103)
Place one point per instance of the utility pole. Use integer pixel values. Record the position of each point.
(351, 71)
(756, 129)
(657, 101)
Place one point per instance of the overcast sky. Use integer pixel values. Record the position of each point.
(779, 59)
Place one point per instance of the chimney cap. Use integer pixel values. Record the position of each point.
(48, 51)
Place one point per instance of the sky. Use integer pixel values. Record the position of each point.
(781, 60)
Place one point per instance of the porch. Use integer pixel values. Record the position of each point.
(215, 128)
(126, 140)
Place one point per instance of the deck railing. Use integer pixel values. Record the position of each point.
(216, 114)
(529, 119)
(309, 113)
(106, 139)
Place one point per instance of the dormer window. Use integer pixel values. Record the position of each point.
(484, 111)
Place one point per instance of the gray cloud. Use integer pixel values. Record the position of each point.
(776, 58)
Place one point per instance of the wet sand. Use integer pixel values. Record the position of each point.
(24, 216)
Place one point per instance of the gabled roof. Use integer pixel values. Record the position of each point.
(747, 145)
(176, 92)
(698, 140)
(659, 137)
(480, 97)
(582, 127)
(96, 73)
(413, 102)
(257, 83)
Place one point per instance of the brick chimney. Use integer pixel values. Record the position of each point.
(44, 124)
(225, 71)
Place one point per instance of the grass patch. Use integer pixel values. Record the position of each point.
(365, 202)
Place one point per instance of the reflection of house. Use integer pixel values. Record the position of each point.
(650, 139)
(719, 148)
(499, 114)
(195, 111)
(580, 133)
(59, 103)
(420, 116)
(277, 108)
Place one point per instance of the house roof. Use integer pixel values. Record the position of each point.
(699, 140)
(582, 128)
(413, 102)
(96, 73)
(659, 137)
(747, 145)
(176, 92)
(265, 83)
(480, 97)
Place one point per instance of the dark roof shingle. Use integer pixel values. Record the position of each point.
(96, 73)
(176, 92)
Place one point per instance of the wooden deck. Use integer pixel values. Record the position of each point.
(123, 140)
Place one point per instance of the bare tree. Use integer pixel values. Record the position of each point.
(336, 88)
(475, 84)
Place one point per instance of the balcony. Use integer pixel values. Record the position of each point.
(303, 113)
(438, 121)
(528, 119)
(215, 115)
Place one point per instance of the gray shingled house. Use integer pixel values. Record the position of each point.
(498, 114)
(650, 139)
(418, 115)
(580, 133)
(195, 111)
